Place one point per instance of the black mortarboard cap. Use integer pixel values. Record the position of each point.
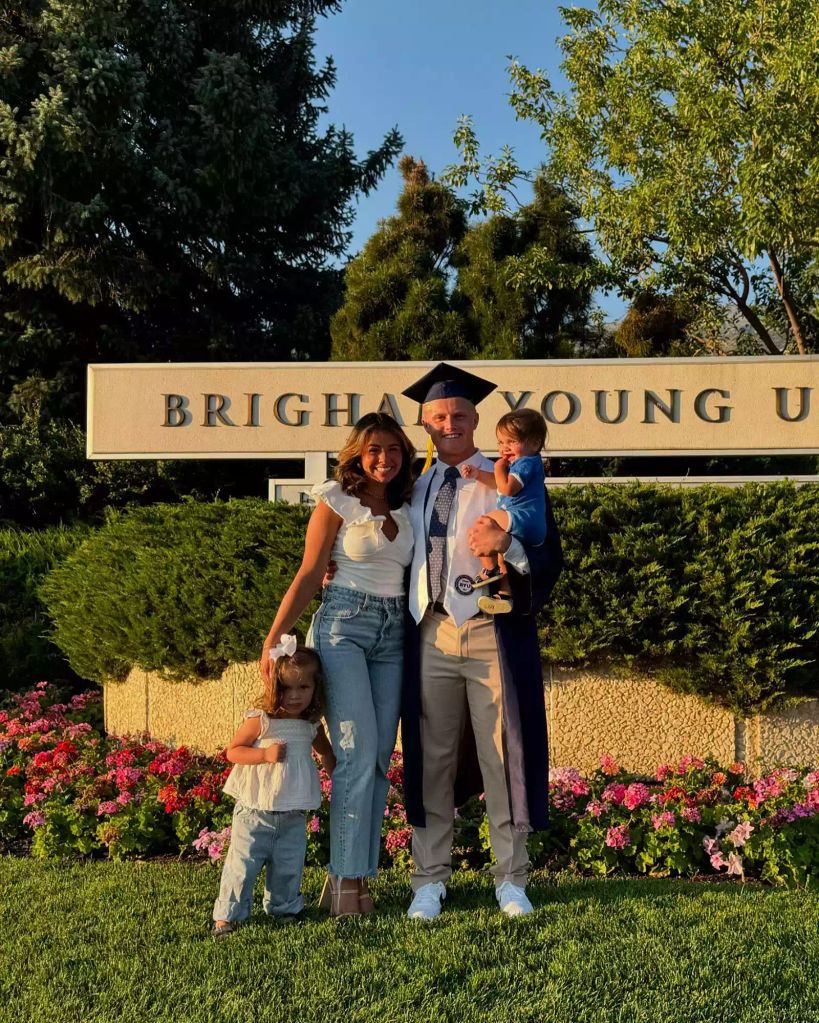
(445, 381)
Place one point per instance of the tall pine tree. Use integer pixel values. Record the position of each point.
(166, 190)
(524, 281)
(427, 285)
(397, 293)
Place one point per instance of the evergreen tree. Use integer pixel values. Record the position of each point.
(428, 286)
(523, 282)
(166, 191)
(397, 295)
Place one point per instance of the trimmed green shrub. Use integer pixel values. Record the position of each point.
(714, 590)
(182, 589)
(27, 654)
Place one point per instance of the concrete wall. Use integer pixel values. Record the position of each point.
(636, 719)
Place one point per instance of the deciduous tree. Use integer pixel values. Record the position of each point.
(688, 138)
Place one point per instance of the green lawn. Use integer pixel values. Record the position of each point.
(129, 942)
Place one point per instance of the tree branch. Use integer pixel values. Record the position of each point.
(787, 301)
(750, 315)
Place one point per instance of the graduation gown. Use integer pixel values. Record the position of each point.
(524, 712)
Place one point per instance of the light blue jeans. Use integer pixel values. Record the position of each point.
(360, 639)
(274, 839)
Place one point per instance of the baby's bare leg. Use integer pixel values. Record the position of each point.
(494, 561)
(501, 517)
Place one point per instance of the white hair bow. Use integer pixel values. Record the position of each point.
(286, 647)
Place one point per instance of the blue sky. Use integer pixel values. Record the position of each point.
(420, 65)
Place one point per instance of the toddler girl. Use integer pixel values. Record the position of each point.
(274, 782)
(519, 479)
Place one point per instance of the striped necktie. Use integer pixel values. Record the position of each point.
(436, 542)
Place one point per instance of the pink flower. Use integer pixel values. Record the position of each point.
(666, 819)
(717, 861)
(618, 837)
(34, 819)
(734, 864)
(397, 839)
(710, 845)
(614, 793)
(608, 765)
(689, 763)
(595, 808)
(124, 798)
(314, 824)
(126, 777)
(109, 806)
(737, 768)
(691, 814)
(212, 842)
(664, 771)
(636, 795)
(740, 835)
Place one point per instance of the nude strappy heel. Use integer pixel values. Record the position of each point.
(346, 897)
(365, 900)
(325, 900)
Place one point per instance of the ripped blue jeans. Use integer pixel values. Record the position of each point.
(360, 639)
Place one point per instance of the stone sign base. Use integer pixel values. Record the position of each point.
(637, 720)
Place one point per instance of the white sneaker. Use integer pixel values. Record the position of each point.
(427, 902)
(512, 899)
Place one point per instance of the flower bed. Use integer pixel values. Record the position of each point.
(66, 789)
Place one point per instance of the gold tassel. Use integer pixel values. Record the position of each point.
(430, 453)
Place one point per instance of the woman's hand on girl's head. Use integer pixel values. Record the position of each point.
(265, 664)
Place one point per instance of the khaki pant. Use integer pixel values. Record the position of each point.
(460, 671)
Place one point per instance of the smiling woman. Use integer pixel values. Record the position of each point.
(358, 632)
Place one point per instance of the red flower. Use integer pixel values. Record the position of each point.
(13, 770)
(675, 792)
(745, 792)
(172, 798)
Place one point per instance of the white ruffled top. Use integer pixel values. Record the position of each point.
(290, 784)
(366, 560)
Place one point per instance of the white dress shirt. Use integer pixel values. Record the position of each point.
(472, 499)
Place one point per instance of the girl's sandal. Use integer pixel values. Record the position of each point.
(365, 900)
(346, 900)
(222, 929)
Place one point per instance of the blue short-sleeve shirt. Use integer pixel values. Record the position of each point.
(527, 508)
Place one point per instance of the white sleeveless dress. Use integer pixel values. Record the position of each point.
(290, 784)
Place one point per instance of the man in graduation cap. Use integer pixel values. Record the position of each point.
(473, 715)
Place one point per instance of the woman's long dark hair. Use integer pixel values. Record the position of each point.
(351, 475)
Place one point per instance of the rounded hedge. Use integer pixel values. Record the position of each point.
(182, 589)
(27, 654)
(714, 590)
